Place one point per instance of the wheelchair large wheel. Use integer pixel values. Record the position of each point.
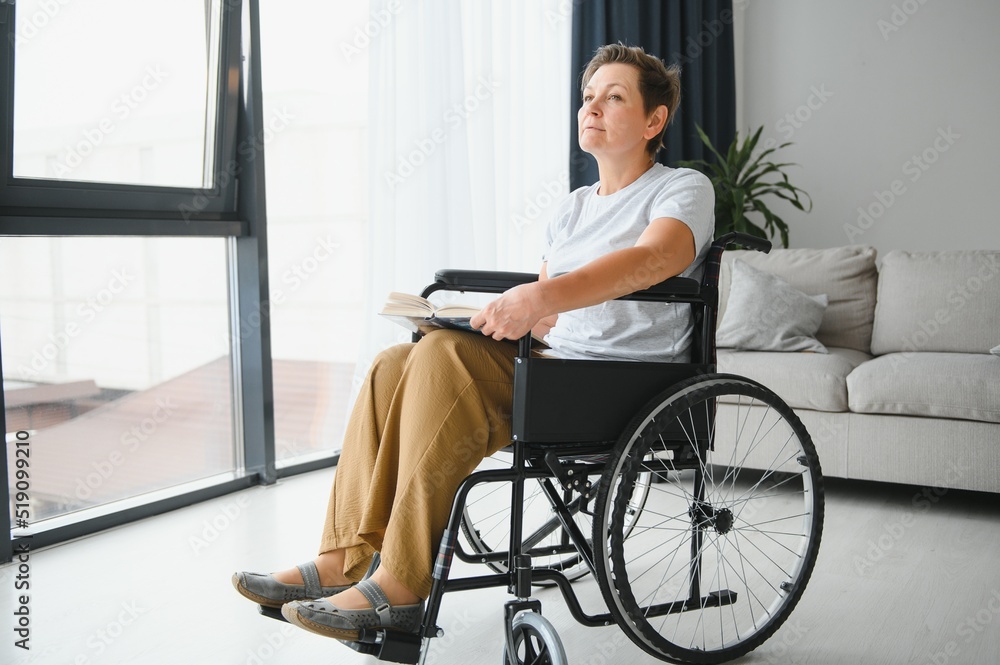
(730, 531)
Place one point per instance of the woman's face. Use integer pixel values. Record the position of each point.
(612, 120)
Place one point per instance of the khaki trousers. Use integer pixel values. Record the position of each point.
(427, 415)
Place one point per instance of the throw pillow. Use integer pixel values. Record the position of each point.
(766, 313)
(995, 350)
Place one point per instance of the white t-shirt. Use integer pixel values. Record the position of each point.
(587, 226)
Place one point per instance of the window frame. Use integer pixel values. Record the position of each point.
(34, 206)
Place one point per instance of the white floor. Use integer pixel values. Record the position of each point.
(904, 576)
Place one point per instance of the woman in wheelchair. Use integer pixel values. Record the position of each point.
(430, 412)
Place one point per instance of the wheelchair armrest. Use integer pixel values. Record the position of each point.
(492, 281)
(674, 288)
(482, 281)
(744, 239)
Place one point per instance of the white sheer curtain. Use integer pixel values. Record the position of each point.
(468, 142)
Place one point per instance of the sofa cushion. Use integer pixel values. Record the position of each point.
(942, 385)
(803, 380)
(937, 301)
(847, 276)
(766, 313)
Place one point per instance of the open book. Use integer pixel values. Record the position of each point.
(420, 315)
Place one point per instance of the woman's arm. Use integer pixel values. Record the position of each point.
(663, 250)
(545, 324)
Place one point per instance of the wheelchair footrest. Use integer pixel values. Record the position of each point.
(271, 612)
(391, 645)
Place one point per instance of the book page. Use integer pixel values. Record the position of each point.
(451, 311)
(405, 304)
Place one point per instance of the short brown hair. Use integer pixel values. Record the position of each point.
(659, 85)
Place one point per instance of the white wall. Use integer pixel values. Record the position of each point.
(887, 81)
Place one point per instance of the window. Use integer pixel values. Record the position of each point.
(82, 111)
(119, 105)
(116, 359)
(127, 263)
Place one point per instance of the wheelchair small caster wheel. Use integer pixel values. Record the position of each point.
(535, 642)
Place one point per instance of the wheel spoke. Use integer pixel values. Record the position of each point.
(746, 585)
(771, 469)
(768, 496)
(775, 541)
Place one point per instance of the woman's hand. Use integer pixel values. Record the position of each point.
(513, 314)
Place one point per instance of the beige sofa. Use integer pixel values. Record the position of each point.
(908, 391)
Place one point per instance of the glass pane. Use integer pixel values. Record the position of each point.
(317, 211)
(116, 362)
(119, 91)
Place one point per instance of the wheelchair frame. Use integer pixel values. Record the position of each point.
(546, 436)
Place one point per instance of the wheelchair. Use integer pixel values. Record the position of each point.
(693, 498)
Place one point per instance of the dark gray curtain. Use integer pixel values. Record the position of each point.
(697, 35)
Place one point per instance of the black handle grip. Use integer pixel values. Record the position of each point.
(494, 280)
(745, 240)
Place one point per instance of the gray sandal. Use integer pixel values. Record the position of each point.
(263, 589)
(324, 618)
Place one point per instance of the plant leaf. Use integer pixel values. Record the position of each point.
(742, 179)
(708, 142)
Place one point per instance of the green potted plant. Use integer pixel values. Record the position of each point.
(741, 183)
